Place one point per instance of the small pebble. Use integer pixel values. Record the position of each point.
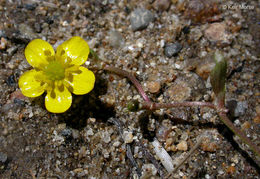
(257, 120)
(216, 32)
(106, 137)
(209, 146)
(153, 86)
(11, 80)
(115, 38)
(3, 157)
(182, 146)
(179, 91)
(75, 134)
(12, 50)
(140, 19)
(30, 7)
(246, 125)
(168, 143)
(241, 108)
(195, 34)
(3, 43)
(172, 49)
(26, 32)
(173, 148)
(90, 132)
(116, 144)
(161, 5)
(61, 126)
(66, 132)
(148, 170)
(128, 137)
(231, 170)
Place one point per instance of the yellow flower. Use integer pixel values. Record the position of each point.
(58, 74)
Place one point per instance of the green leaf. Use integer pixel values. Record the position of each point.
(218, 75)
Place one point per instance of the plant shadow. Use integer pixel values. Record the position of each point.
(88, 106)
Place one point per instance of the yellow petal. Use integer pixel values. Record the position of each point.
(38, 52)
(58, 101)
(74, 50)
(81, 83)
(29, 85)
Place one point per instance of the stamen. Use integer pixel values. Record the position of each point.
(53, 94)
(47, 53)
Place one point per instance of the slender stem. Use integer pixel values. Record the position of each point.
(155, 106)
(238, 132)
(131, 78)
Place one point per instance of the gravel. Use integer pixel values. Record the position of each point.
(140, 18)
(3, 157)
(172, 49)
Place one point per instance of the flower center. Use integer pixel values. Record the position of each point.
(54, 71)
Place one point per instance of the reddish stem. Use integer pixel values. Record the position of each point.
(131, 78)
(155, 106)
(238, 132)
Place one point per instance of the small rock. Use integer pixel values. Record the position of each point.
(208, 146)
(17, 95)
(148, 171)
(61, 126)
(30, 7)
(11, 80)
(12, 50)
(168, 142)
(140, 18)
(115, 38)
(153, 86)
(116, 144)
(231, 170)
(3, 43)
(257, 120)
(162, 132)
(75, 134)
(106, 137)
(217, 32)
(161, 5)
(37, 27)
(128, 137)
(180, 91)
(172, 49)
(246, 125)
(3, 157)
(188, 86)
(27, 32)
(240, 108)
(66, 132)
(200, 11)
(195, 34)
(182, 146)
(78, 170)
(173, 148)
(90, 132)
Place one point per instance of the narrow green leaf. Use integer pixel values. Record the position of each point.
(218, 75)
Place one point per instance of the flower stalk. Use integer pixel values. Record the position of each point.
(218, 80)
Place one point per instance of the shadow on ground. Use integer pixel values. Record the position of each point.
(88, 106)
